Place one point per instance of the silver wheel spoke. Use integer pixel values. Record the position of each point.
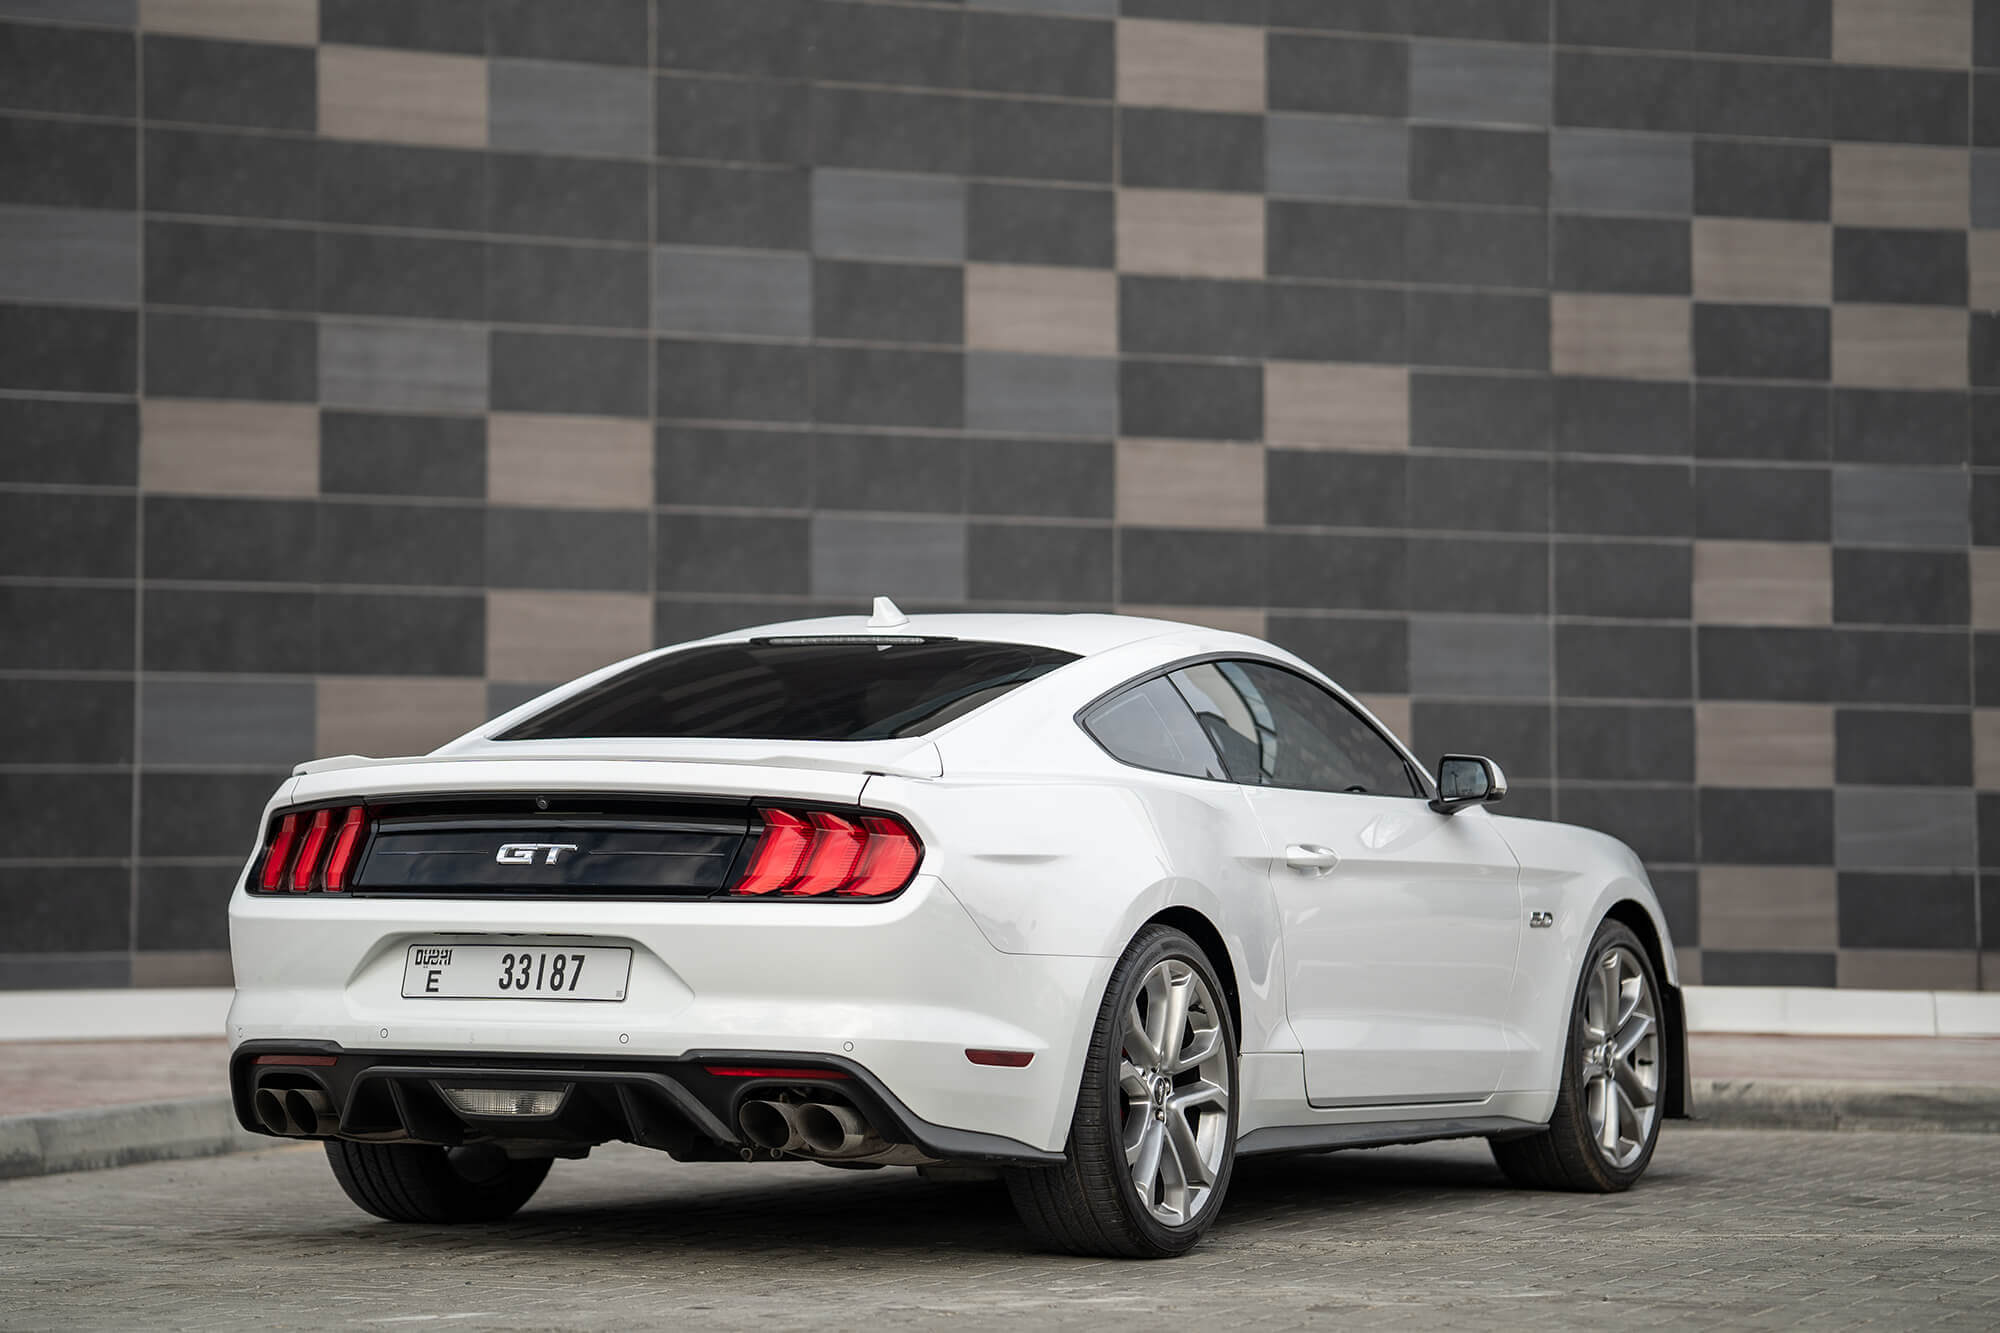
(1138, 1042)
(1144, 1155)
(1634, 1031)
(1175, 1020)
(1131, 1082)
(1187, 1153)
(1616, 1061)
(1175, 1137)
(1205, 1044)
(1196, 1095)
(1608, 1139)
(1631, 1086)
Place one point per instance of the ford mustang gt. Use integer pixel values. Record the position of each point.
(1098, 903)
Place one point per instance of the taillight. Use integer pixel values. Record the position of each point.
(326, 843)
(302, 873)
(343, 850)
(273, 873)
(819, 854)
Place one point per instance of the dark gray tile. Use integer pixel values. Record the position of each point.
(1190, 317)
(1770, 28)
(743, 381)
(1322, 488)
(1901, 587)
(919, 303)
(1189, 400)
(1900, 105)
(1790, 665)
(1985, 109)
(1022, 224)
(853, 43)
(1369, 655)
(420, 545)
(1983, 349)
(888, 131)
(227, 632)
(677, 621)
(1515, 736)
(234, 175)
(1031, 53)
(1627, 580)
(1658, 25)
(1678, 892)
(1897, 266)
(581, 374)
(1501, 413)
(532, 194)
(1766, 826)
(417, 25)
(906, 473)
(1762, 342)
(235, 541)
(372, 273)
(1608, 742)
(1901, 506)
(1330, 157)
(1624, 499)
(71, 71)
(1762, 504)
(1895, 426)
(67, 164)
(396, 634)
(1658, 823)
(1346, 75)
(565, 284)
(1387, 16)
(1985, 34)
(1479, 494)
(214, 356)
(1624, 662)
(68, 349)
(727, 553)
(240, 723)
(734, 36)
(1885, 747)
(1055, 479)
(1038, 563)
(888, 216)
(203, 814)
(67, 536)
(1989, 843)
(1316, 323)
(1012, 393)
(764, 209)
(1314, 240)
(1481, 577)
(730, 120)
(1907, 911)
(732, 293)
(1327, 572)
(1480, 659)
(1500, 20)
(391, 185)
(1754, 967)
(1478, 330)
(69, 256)
(1601, 90)
(1986, 509)
(1166, 149)
(1598, 416)
(1065, 141)
(1760, 421)
(695, 465)
(64, 442)
(1597, 254)
(610, 32)
(76, 629)
(403, 366)
(1479, 83)
(255, 268)
(255, 84)
(876, 386)
(1193, 11)
(540, 106)
(370, 453)
(917, 560)
(51, 815)
(1906, 828)
(1769, 100)
(1475, 248)
(1900, 667)
(1608, 171)
(65, 909)
(1762, 180)
(1454, 165)
(566, 548)
(1177, 567)
(184, 907)
(66, 721)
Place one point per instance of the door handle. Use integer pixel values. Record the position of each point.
(1311, 858)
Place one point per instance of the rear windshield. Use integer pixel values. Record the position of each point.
(796, 690)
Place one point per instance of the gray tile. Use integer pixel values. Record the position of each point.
(1096, 8)
(912, 560)
(887, 216)
(1479, 658)
(545, 107)
(1597, 171)
(1324, 158)
(69, 256)
(244, 723)
(119, 13)
(1986, 189)
(1903, 828)
(418, 367)
(719, 291)
(1485, 83)
(1041, 395)
(1901, 506)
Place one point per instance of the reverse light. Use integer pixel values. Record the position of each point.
(505, 1101)
(819, 854)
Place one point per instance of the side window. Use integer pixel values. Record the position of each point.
(1149, 727)
(1277, 729)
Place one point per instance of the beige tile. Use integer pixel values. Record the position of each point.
(1908, 969)
(383, 716)
(1902, 32)
(295, 21)
(554, 636)
(402, 96)
(1985, 587)
(1986, 748)
(1631, 337)
(209, 448)
(1898, 185)
(1769, 907)
(568, 462)
(1391, 710)
(1190, 484)
(1052, 311)
(1314, 405)
(1232, 619)
(1191, 232)
(1763, 583)
(1982, 256)
(1899, 346)
(182, 967)
(1206, 66)
(1763, 745)
(1688, 961)
(1767, 263)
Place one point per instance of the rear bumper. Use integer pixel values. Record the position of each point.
(895, 992)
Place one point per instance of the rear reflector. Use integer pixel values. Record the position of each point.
(819, 854)
(770, 1071)
(1000, 1059)
(317, 1061)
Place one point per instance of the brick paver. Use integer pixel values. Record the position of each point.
(1735, 1229)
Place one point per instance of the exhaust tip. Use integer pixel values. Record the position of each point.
(832, 1131)
(310, 1112)
(771, 1125)
(270, 1112)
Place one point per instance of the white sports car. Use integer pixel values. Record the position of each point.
(1102, 903)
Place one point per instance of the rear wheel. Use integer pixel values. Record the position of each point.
(420, 1182)
(1153, 1138)
(1607, 1116)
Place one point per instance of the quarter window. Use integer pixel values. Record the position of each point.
(1148, 726)
(1275, 728)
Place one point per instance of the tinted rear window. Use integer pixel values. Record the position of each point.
(796, 691)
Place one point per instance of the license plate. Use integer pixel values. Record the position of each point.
(515, 972)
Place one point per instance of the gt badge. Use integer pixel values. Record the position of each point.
(523, 853)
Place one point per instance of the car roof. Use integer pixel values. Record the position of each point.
(1084, 634)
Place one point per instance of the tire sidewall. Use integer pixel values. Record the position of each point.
(1609, 934)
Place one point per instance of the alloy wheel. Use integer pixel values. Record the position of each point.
(1619, 1057)
(1174, 1082)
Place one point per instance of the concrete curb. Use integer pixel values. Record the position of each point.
(88, 1140)
(1925, 1108)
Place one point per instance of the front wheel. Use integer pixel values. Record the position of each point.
(420, 1182)
(1607, 1116)
(1153, 1138)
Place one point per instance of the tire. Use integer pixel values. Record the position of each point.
(1092, 1204)
(420, 1182)
(1572, 1154)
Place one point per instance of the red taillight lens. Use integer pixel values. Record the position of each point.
(273, 872)
(302, 873)
(823, 854)
(342, 855)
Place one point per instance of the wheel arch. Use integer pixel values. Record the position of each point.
(1675, 1079)
(1202, 931)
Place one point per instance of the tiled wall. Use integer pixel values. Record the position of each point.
(1607, 385)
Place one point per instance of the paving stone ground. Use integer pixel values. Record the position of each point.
(1730, 1229)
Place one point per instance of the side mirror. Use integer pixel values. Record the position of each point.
(1467, 779)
